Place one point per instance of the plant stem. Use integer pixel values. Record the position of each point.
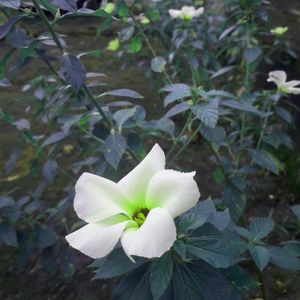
(61, 49)
(185, 145)
(263, 288)
(265, 123)
(140, 29)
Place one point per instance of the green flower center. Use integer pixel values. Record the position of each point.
(140, 216)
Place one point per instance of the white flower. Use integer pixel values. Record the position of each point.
(186, 13)
(283, 86)
(138, 210)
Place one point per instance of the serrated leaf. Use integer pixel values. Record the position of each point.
(54, 138)
(284, 114)
(115, 264)
(135, 45)
(261, 227)
(251, 54)
(260, 255)
(208, 113)
(6, 27)
(113, 149)
(126, 33)
(72, 70)
(266, 160)
(124, 93)
(158, 64)
(68, 5)
(160, 275)
(282, 258)
(243, 106)
(14, 4)
(215, 135)
(176, 91)
(177, 109)
(8, 234)
(296, 210)
(222, 71)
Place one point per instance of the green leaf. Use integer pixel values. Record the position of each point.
(284, 114)
(266, 160)
(296, 210)
(113, 149)
(135, 286)
(218, 175)
(115, 264)
(46, 5)
(72, 70)
(222, 71)
(158, 64)
(282, 257)
(176, 91)
(113, 45)
(214, 247)
(8, 234)
(197, 280)
(242, 106)
(6, 27)
(260, 255)
(260, 227)
(251, 54)
(126, 34)
(215, 135)
(208, 113)
(135, 45)
(160, 275)
(235, 200)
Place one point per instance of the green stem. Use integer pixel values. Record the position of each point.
(140, 29)
(263, 287)
(265, 123)
(61, 49)
(185, 145)
(180, 135)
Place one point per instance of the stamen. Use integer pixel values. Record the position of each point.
(140, 216)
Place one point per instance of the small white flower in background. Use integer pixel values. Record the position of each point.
(283, 86)
(186, 13)
(138, 210)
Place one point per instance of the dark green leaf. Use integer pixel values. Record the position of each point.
(113, 149)
(215, 135)
(284, 114)
(124, 93)
(176, 91)
(251, 54)
(126, 33)
(222, 71)
(8, 234)
(177, 109)
(261, 227)
(208, 113)
(266, 160)
(68, 5)
(260, 255)
(296, 210)
(282, 257)
(158, 64)
(115, 264)
(6, 27)
(72, 70)
(160, 275)
(135, 45)
(15, 4)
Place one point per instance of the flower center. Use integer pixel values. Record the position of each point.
(140, 216)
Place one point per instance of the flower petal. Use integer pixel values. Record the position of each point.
(292, 83)
(174, 191)
(134, 185)
(174, 13)
(96, 240)
(199, 12)
(97, 198)
(278, 77)
(295, 91)
(155, 237)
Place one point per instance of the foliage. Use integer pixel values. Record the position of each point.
(205, 72)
